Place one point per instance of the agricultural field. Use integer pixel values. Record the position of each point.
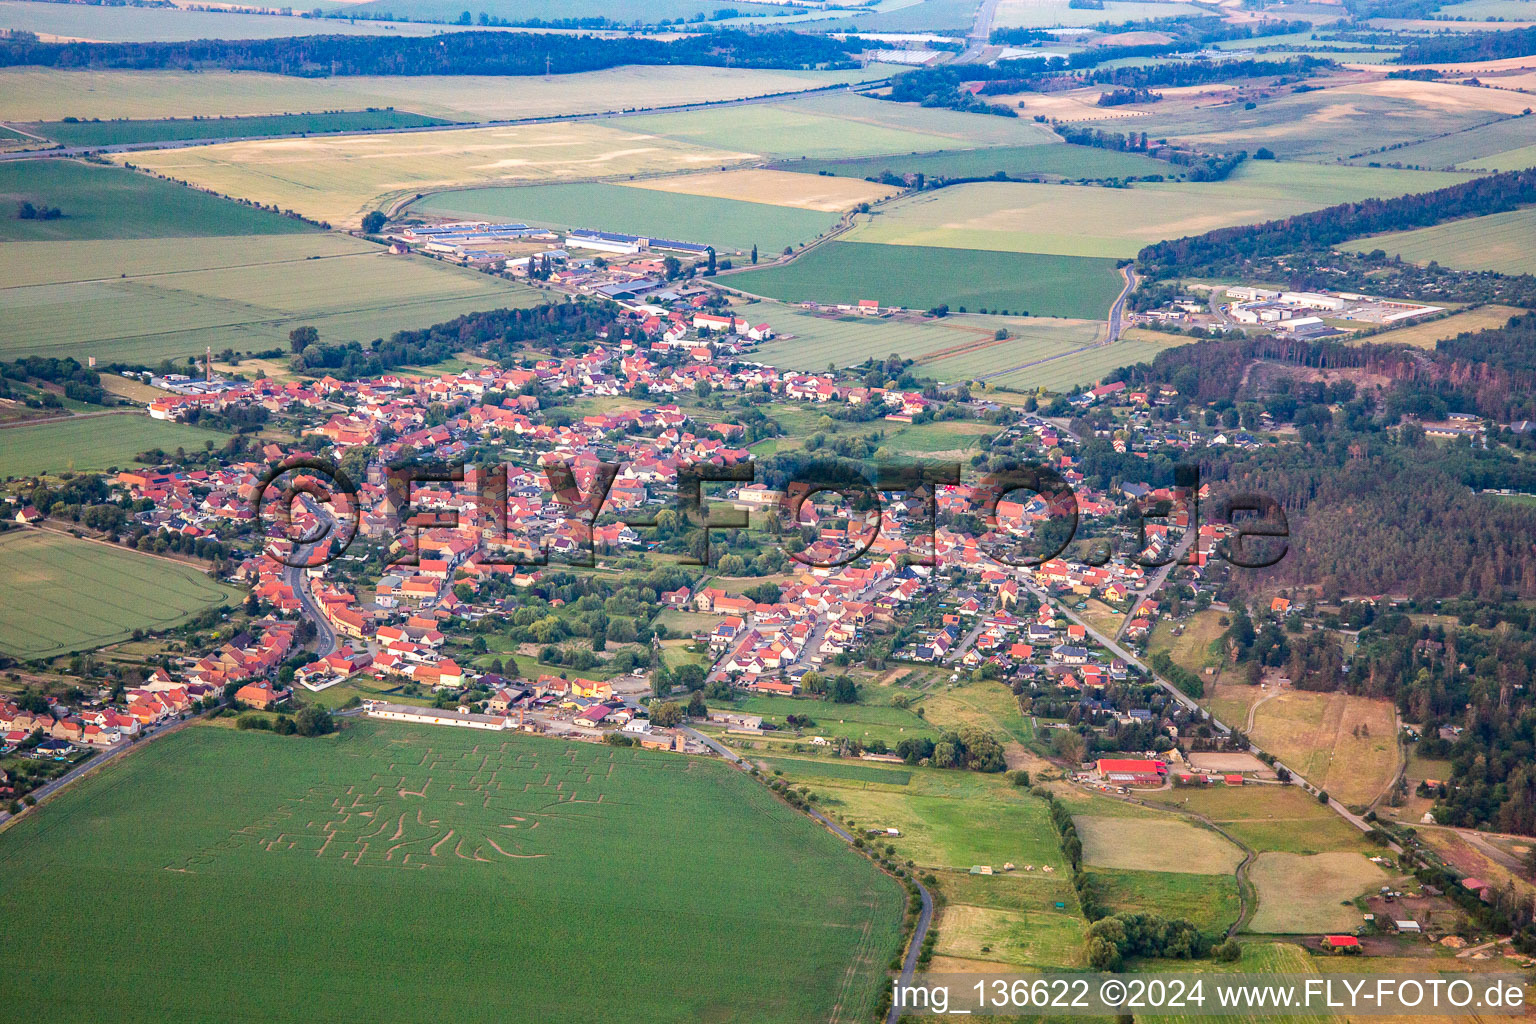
(390, 831)
(1041, 936)
(100, 23)
(45, 94)
(644, 12)
(1118, 222)
(163, 298)
(68, 595)
(1310, 894)
(113, 132)
(1499, 242)
(862, 722)
(1425, 335)
(778, 188)
(1053, 13)
(921, 277)
(1483, 148)
(904, 16)
(1344, 744)
(109, 202)
(90, 444)
(1048, 160)
(725, 223)
(1210, 902)
(338, 179)
(1155, 844)
(1087, 367)
(1276, 818)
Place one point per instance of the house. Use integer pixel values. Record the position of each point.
(1133, 771)
(261, 695)
(594, 716)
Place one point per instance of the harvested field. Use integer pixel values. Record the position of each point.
(339, 179)
(1155, 844)
(1425, 335)
(1300, 894)
(1036, 938)
(1344, 744)
(778, 188)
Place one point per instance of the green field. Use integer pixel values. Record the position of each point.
(413, 873)
(724, 223)
(71, 595)
(169, 24)
(110, 202)
(920, 277)
(154, 299)
(845, 770)
(1208, 901)
(640, 12)
(1045, 159)
(90, 444)
(1047, 13)
(109, 133)
(1482, 148)
(863, 722)
(1499, 242)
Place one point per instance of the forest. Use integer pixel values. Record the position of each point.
(1469, 46)
(462, 53)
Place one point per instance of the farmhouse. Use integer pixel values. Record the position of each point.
(435, 716)
(1133, 771)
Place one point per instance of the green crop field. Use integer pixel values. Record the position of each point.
(1208, 901)
(643, 12)
(1499, 241)
(962, 130)
(724, 223)
(109, 133)
(111, 202)
(1482, 148)
(90, 444)
(1050, 160)
(415, 873)
(68, 595)
(921, 277)
(1049, 13)
(146, 24)
(862, 722)
(144, 301)
(804, 768)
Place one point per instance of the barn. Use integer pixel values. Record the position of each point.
(1133, 771)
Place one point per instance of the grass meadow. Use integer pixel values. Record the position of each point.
(1499, 242)
(862, 722)
(1282, 819)
(167, 298)
(110, 202)
(1425, 335)
(1310, 894)
(90, 444)
(112, 132)
(724, 223)
(1209, 902)
(1155, 844)
(921, 277)
(420, 873)
(68, 595)
(1049, 160)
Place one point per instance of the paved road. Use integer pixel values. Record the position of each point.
(909, 964)
(1159, 577)
(325, 636)
(138, 147)
(1117, 310)
(980, 35)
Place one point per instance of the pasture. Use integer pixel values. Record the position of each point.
(1301, 894)
(165, 298)
(725, 223)
(1278, 818)
(338, 179)
(1499, 242)
(47, 94)
(778, 188)
(1191, 649)
(115, 132)
(69, 595)
(90, 444)
(987, 705)
(1208, 901)
(921, 277)
(862, 722)
(1041, 936)
(1155, 844)
(1117, 222)
(1338, 742)
(111, 202)
(1049, 160)
(372, 839)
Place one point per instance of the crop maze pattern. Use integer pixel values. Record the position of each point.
(485, 804)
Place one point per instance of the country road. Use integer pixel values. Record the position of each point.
(682, 108)
(1117, 310)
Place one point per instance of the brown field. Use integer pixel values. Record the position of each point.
(1464, 854)
(827, 193)
(1155, 844)
(1310, 894)
(338, 179)
(1314, 735)
(1234, 762)
(1425, 335)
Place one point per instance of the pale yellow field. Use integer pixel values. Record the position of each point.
(1048, 938)
(1425, 335)
(779, 188)
(1155, 844)
(1069, 106)
(339, 178)
(1308, 894)
(1315, 734)
(1441, 95)
(1470, 67)
(39, 94)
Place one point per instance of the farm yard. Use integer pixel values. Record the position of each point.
(159, 299)
(920, 277)
(1310, 894)
(725, 223)
(69, 595)
(393, 830)
(1499, 241)
(339, 179)
(90, 444)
